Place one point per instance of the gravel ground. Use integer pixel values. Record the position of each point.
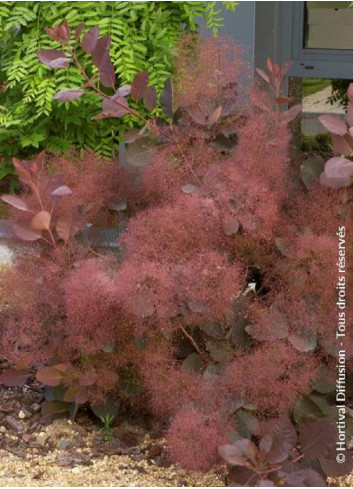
(38, 451)
(111, 471)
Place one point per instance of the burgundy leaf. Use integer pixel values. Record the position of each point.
(115, 108)
(78, 31)
(15, 201)
(38, 163)
(26, 234)
(107, 73)
(81, 396)
(77, 394)
(350, 93)
(334, 124)
(53, 58)
(290, 114)
(189, 188)
(238, 453)
(285, 68)
(279, 441)
(140, 152)
(265, 483)
(342, 145)
(349, 114)
(60, 33)
(270, 65)
(101, 50)
(131, 135)
(139, 85)
(63, 228)
(68, 94)
(41, 221)
(101, 59)
(122, 91)
(231, 225)
(284, 100)
(215, 115)
(150, 98)
(334, 469)
(13, 377)
(296, 476)
(90, 39)
(318, 439)
(330, 182)
(166, 98)
(263, 75)
(303, 341)
(195, 113)
(23, 170)
(285, 246)
(339, 168)
(51, 376)
(62, 190)
(274, 326)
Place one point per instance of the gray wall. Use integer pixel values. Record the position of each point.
(240, 25)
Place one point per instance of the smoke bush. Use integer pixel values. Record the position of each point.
(221, 299)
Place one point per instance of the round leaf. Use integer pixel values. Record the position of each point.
(61, 191)
(50, 376)
(334, 124)
(26, 234)
(303, 341)
(15, 201)
(41, 221)
(68, 94)
(13, 377)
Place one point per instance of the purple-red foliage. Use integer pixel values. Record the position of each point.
(144, 290)
(186, 263)
(92, 311)
(172, 233)
(170, 388)
(208, 283)
(271, 377)
(193, 438)
(204, 67)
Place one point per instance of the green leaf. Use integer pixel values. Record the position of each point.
(220, 350)
(193, 362)
(109, 408)
(311, 405)
(55, 407)
(247, 424)
(213, 329)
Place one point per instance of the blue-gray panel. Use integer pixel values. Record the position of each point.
(240, 25)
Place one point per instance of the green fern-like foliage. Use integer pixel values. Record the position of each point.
(143, 36)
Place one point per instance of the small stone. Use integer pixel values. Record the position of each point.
(65, 444)
(41, 437)
(2, 429)
(21, 415)
(14, 424)
(7, 473)
(7, 407)
(35, 407)
(27, 438)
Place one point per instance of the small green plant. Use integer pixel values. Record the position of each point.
(107, 421)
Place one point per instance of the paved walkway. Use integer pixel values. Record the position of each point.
(315, 105)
